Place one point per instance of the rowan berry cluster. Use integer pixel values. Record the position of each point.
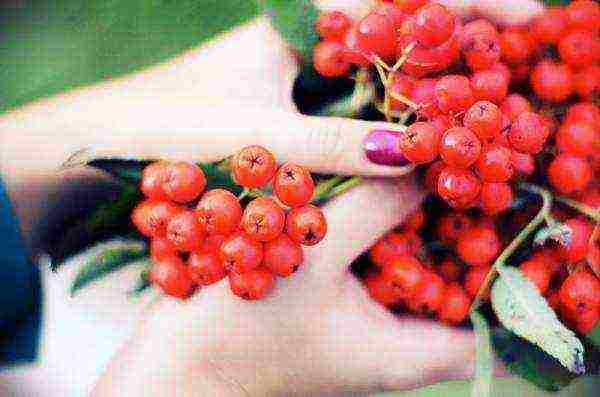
(199, 238)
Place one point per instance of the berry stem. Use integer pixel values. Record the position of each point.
(326, 185)
(584, 209)
(336, 188)
(245, 193)
(403, 99)
(540, 217)
(404, 57)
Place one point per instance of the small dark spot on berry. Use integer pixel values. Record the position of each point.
(310, 236)
(295, 268)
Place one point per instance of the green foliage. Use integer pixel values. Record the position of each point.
(484, 358)
(594, 336)
(143, 282)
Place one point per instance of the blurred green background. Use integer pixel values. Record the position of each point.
(48, 47)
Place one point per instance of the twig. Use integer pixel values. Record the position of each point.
(583, 208)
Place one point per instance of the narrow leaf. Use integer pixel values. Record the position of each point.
(108, 260)
(484, 358)
(126, 170)
(143, 282)
(522, 310)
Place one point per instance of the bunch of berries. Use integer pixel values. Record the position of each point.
(199, 238)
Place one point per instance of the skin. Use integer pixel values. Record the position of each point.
(319, 332)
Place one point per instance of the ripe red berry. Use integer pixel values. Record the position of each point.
(212, 243)
(382, 290)
(459, 147)
(523, 163)
(580, 292)
(452, 226)
(432, 174)
(495, 197)
(528, 133)
(584, 14)
(352, 53)
(220, 210)
(376, 35)
(410, 6)
(306, 225)
(477, 27)
(405, 273)
(433, 25)
(453, 93)
(239, 253)
(579, 139)
(160, 248)
(184, 182)
(393, 12)
(333, 25)
(424, 61)
(579, 48)
(585, 112)
(263, 219)
(395, 245)
(414, 221)
(420, 143)
(484, 119)
(283, 256)
(586, 83)
(205, 268)
(516, 45)
(455, 307)
(170, 274)
(474, 280)
(514, 105)
(400, 84)
(450, 270)
(185, 231)
(490, 85)
(478, 245)
(552, 82)
(481, 51)
(458, 186)
(587, 321)
(423, 94)
(151, 217)
(293, 185)
(153, 177)
(569, 174)
(550, 26)
(577, 248)
(538, 272)
(252, 285)
(253, 167)
(495, 164)
(329, 58)
(429, 294)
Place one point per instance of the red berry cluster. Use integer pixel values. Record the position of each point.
(199, 238)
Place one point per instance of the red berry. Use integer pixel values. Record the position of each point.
(429, 294)
(419, 143)
(450, 270)
(252, 285)
(212, 243)
(415, 220)
(481, 51)
(382, 290)
(549, 27)
(552, 82)
(553, 299)
(523, 163)
(184, 182)
(484, 119)
(329, 58)
(423, 94)
(185, 232)
(538, 273)
(239, 253)
(587, 321)
(458, 186)
(577, 248)
(460, 147)
(433, 25)
(580, 292)
(220, 210)
(405, 273)
(205, 268)
(424, 61)
(352, 53)
(170, 274)
(490, 85)
(153, 177)
(333, 25)
(253, 167)
(306, 225)
(586, 83)
(514, 105)
(432, 174)
(583, 112)
(399, 84)
(293, 185)
(579, 48)
(516, 46)
(393, 12)
(495, 164)
(495, 197)
(474, 280)
(452, 226)
(477, 27)
(569, 174)
(376, 35)
(528, 133)
(151, 217)
(263, 219)
(283, 256)
(584, 14)
(393, 246)
(479, 245)
(579, 139)
(410, 6)
(455, 307)
(453, 93)
(160, 248)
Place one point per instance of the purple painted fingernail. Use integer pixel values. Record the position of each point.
(382, 147)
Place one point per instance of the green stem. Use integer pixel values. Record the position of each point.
(584, 209)
(245, 193)
(326, 185)
(519, 239)
(336, 188)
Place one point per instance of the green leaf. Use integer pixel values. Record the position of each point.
(110, 258)
(219, 176)
(522, 310)
(594, 336)
(129, 171)
(484, 358)
(295, 21)
(143, 282)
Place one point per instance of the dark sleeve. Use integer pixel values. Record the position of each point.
(20, 292)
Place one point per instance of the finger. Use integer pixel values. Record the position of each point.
(510, 12)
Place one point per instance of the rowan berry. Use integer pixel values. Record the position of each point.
(405, 273)
(552, 82)
(569, 174)
(283, 256)
(481, 51)
(410, 6)
(255, 284)
(553, 299)
(496, 197)
(490, 85)
(184, 182)
(161, 247)
(477, 27)
(578, 244)
(382, 290)
(478, 246)
(205, 268)
(171, 275)
(333, 25)
(151, 217)
(587, 321)
(423, 94)
(514, 105)
(220, 210)
(458, 186)
(424, 61)
(579, 139)
(550, 26)
(153, 177)
(429, 294)
(484, 119)
(185, 231)
(580, 292)
(523, 163)
(393, 12)
(420, 143)
(538, 273)
(528, 133)
(306, 225)
(459, 147)
(452, 226)
(453, 93)
(585, 112)
(450, 270)
(212, 243)
(239, 253)
(395, 245)
(586, 83)
(329, 58)
(432, 174)
(579, 48)
(414, 221)
(399, 84)
(584, 14)
(253, 167)
(263, 219)
(474, 280)
(502, 138)
(495, 164)
(433, 25)
(516, 45)
(293, 185)
(455, 307)
(376, 34)
(352, 53)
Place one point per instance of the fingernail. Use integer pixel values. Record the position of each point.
(382, 147)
